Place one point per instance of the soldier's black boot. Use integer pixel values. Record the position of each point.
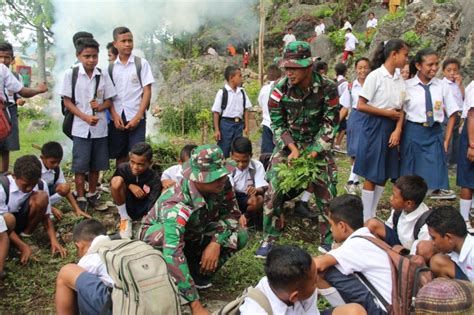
(302, 210)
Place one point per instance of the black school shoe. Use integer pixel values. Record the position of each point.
(302, 210)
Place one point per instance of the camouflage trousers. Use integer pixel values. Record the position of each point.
(324, 191)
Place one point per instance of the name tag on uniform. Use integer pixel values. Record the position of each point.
(135, 79)
(437, 105)
(100, 94)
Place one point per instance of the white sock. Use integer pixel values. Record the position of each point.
(465, 206)
(332, 296)
(55, 198)
(305, 197)
(123, 212)
(367, 200)
(91, 194)
(378, 192)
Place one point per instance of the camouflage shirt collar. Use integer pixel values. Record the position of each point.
(316, 83)
(197, 199)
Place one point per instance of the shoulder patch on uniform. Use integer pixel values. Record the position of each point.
(276, 95)
(183, 216)
(333, 101)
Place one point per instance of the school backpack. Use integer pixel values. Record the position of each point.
(5, 122)
(409, 274)
(138, 68)
(142, 284)
(6, 186)
(225, 99)
(418, 224)
(232, 308)
(68, 116)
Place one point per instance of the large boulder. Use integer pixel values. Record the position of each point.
(323, 47)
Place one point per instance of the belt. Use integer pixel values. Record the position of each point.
(424, 124)
(235, 119)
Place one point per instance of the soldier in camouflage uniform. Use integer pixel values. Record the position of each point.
(304, 115)
(196, 223)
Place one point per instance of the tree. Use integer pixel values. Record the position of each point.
(36, 16)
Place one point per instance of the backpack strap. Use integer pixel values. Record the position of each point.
(395, 219)
(252, 170)
(225, 98)
(373, 290)
(420, 222)
(57, 172)
(111, 71)
(75, 75)
(259, 297)
(138, 67)
(6, 187)
(338, 83)
(40, 184)
(244, 99)
(97, 81)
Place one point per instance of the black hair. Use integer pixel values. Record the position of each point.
(119, 31)
(4, 46)
(412, 68)
(52, 149)
(362, 59)
(383, 50)
(27, 167)
(241, 145)
(287, 267)
(341, 69)
(83, 43)
(422, 53)
(87, 230)
(446, 219)
(142, 149)
(320, 65)
(80, 35)
(348, 209)
(186, 151)
(230, 71)
(111, 46)
(348, 29)
(412, 187)
(371, 12)
(446, 63)
(273, 72)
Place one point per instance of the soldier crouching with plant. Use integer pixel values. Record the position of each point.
(303, 109)
(196, 224)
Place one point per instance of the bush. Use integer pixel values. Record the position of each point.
(285, 15)
(252, 89)
(164, 155)
(338, 38)
(412, 39)
(323, 12)
(392, 17)
(29, 113)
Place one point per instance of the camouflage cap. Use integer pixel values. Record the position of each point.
(297, 54)
(207, 164)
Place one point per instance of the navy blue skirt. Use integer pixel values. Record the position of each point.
(354, 125)
(465, 171)
(375, 161)
(422, 153)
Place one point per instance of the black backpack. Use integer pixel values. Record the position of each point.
(418, 225)
(6, 186)
(68, 116)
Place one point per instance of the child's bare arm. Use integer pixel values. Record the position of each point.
(55, 246)
(72, 201)
(30, 92)
(22, 247)
(324, 262)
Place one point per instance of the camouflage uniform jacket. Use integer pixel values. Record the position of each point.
(306, 119)
(186, 215)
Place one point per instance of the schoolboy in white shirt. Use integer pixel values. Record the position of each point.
(92, 95)
(229, 110)
(25, 195)
(350, 45)
(456, 258)
(409, 212)
(290, 286)
(132, 78)
(340, 264)
(172, 175)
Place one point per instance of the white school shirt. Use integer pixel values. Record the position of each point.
(382, 90)
(17, 197)
(84, 93)
(263, 98)
(465, 259)
(351, 42)
(359, 255)
(341, 88)
(347, 25)
(47, 175)
(406, 225)
(241, 178)
(371, 23)
(92, 263)
(441, 97)
(350, 97)
(320, 29)
(8, 82)
(469, 99)
(235, 107)
(174, 173)
(456, 91)
(306, 307)
(127, 85)
(289, 38)
(11, 94)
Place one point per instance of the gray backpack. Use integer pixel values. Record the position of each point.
(232, 308)
(142, 284)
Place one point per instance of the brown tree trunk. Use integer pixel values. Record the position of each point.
(41, 53)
